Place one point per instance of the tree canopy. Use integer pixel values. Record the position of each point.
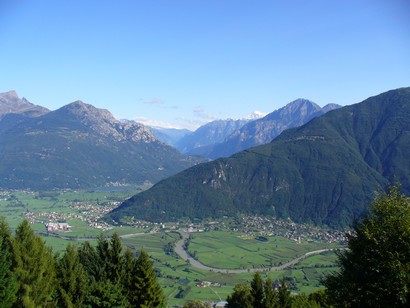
(375, 269)
(86, 276)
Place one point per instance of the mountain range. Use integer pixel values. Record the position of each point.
(170, 136)
(10, 103)
(209, 134)
(324, 172)
(78, 146)
(21, 134)
(263, 130)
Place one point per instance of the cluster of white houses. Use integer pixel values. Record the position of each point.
(57, 227)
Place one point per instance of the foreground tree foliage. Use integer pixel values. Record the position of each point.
(72, 279)
(197, 304)
(101, 276)
(8, 278)
(36, 276)
(375, 270)
(264, 294)
(241, 297)
(117, 278)
(257, 291)
(145, 290)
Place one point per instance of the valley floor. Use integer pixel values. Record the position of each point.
(201, 260)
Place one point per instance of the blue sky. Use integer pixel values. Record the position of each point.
(188, 62)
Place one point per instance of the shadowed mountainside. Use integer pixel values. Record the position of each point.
(80, 146)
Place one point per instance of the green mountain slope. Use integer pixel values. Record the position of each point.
(80, 146)
(324, 172)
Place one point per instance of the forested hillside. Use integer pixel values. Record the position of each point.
(324, 172)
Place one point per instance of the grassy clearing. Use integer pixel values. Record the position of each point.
(58, 245)
(230, 250)
(327, 259)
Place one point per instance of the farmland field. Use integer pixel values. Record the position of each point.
(233, 250)
(222, 249)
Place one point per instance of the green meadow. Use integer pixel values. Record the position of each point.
(218, 249)
(233, 250)
(228, 250)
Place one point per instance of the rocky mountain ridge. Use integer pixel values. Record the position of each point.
(102, 122)
(209, 134)
(80, 146)
(11, 103)
(264, 130)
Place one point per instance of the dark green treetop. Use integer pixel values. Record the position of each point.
(145, 289)
(8, 278)
(257, 291)
(241, 297)
(375, 270)
(36, 274)
(72, 279)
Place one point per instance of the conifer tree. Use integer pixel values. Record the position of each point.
(271, 296)
(97, 263)
(257, 291)
(115, 264)
(103, 251)
(241, 297)
(91, 262)
(8, 278)
(258, 294)
(71, 278)
(284, 298)
(145, 289)
(127, 280)
(105, 294)
(375, 270)
(319, 297)
(35, 268)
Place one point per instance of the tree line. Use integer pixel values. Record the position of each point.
(106, 275)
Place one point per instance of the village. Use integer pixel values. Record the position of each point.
(253, 226)
(92, 212)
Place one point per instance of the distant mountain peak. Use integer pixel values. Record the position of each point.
(11, 103)
(255, 115)
(265, 129)
(301, 103)
(208, 134)
(103, 122)
(329, 107)
(79, 105)
(81, 109)
(11, 94)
